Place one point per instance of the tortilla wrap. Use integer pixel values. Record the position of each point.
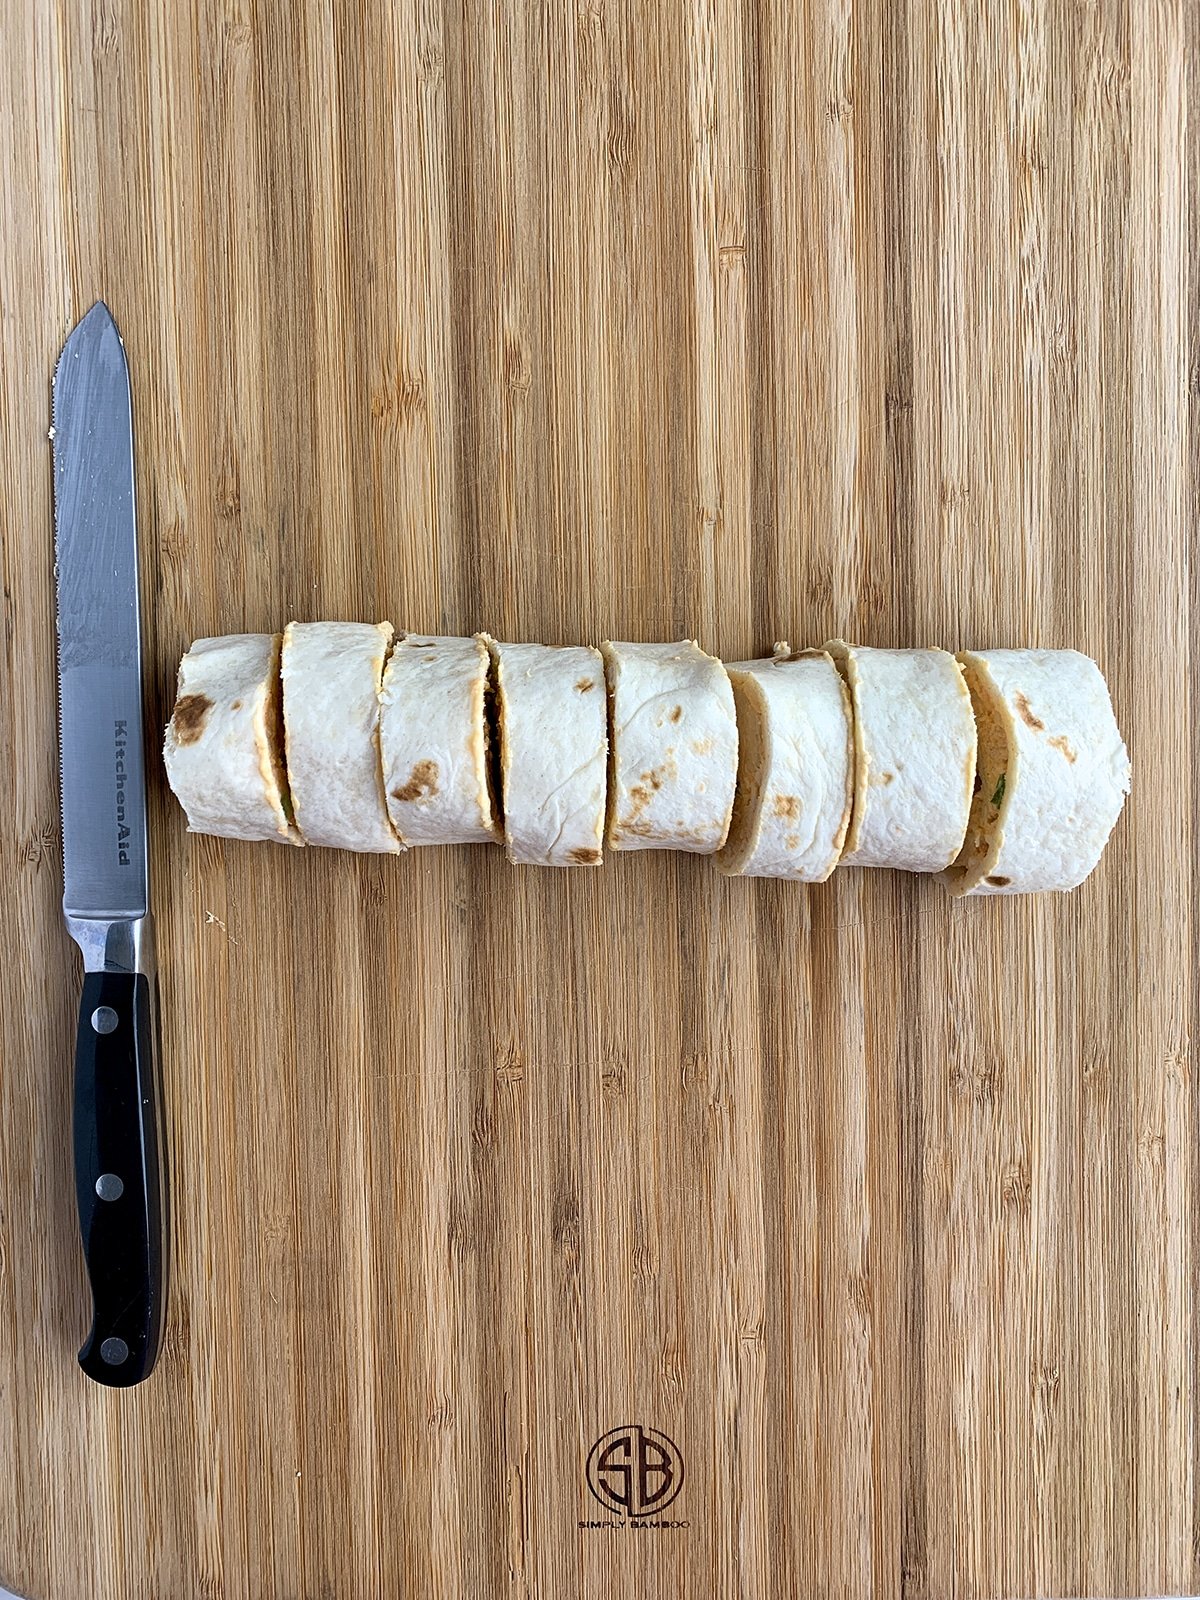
(673, 754)
(331, 675)
(224, 743)
(795, 768)
(1053, 772)
(914, 757)
(433, 741)
(553, 718)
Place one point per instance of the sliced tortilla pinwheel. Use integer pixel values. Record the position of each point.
(914, 746)
(553, 753)
(433, 741)
(673, 762)
(331, 674)
(224, 743)
(795, 778)
(1053, 772)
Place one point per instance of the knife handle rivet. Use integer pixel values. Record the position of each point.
(104, 1019)
(109, 1186)
(114, 1351)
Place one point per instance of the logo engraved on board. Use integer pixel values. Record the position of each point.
(635, 1471)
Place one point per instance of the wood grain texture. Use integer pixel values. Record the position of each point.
(744, 318)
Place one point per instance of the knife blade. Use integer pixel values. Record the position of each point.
(106, 888)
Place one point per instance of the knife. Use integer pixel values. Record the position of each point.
(106, 898)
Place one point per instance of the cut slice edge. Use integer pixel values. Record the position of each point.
(494, 746)
(996, 777)
(612, 668)
(842, 655)
(754, 765)
(272, 758)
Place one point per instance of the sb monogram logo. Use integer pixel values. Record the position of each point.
(635, 1471)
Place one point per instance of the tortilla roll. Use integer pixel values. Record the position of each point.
(553, 719)
(914, 757)
(1053, 772)
(433, 741)
(331, 674)
(673, 755)
(795, 768)
(224, 743)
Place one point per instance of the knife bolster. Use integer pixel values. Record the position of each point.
(118, 944)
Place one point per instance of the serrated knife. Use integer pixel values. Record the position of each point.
(106, 890)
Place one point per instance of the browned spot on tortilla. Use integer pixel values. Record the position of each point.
(584, 857)
(236, 706)
(190, 715)
(585, 684)
(1061, 742)
(702, 747)
(998, 883)
(887, 777)
(423, 784)
(676, 714)
(1025, 712)
(792, 655)
(642, 793)
(792, 841)
(787, 806)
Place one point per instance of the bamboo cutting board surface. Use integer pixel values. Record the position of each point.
(737, 320)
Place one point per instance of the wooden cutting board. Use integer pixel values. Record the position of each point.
(738, 320)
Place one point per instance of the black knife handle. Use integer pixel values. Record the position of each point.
(117, 1180)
